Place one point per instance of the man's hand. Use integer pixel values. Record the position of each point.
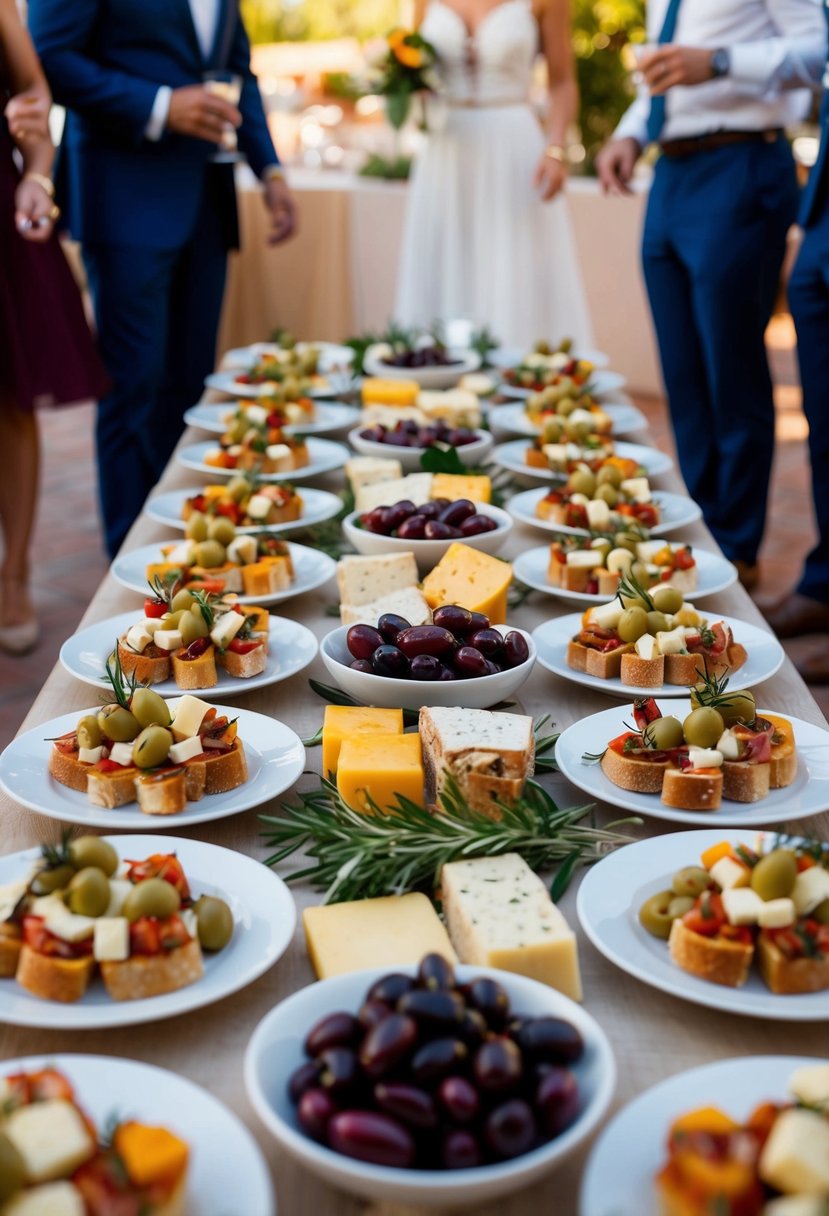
(668, 66)
(201, 114)
(615, 164)
(280, 203)
(28, 116)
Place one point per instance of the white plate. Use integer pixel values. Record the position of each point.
(263, 909)
(228, 1173)
(275, 757)
(609, 900)
(600, 383)
(511, 356)
(807, 795)
(317, 506)
(311, 569)
(677, 512)
(226, 382)
(618, 1178)
(469, 454)
(292, 647)
(331, 354)
(323, 456)
(511, 456)
(515, 418)
(328, 416)
(715, 573)
(765, 657)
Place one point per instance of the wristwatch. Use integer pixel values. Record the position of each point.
(720, 62)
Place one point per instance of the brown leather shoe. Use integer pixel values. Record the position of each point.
(815, 668)
(798, 614)
(748, 573)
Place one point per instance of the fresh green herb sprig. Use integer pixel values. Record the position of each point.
(631, 589)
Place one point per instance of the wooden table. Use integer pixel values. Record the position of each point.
(653, 1035)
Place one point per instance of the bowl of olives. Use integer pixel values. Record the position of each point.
(429, 529)
(430, 364)
(410, 439)
(431, 1085)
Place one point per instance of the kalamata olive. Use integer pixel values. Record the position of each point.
(556, 1101)
(492, 668)
(426, 667)
(473, 1029)
(372, 1012)
(400, 511)
(390, 624)
(89, 892)
(315, 1110)
(363, 665)
(440, 504)
(459, 1098)
(434, 1011)
(389, 661)
(389, 988)
(435, 972)
(301, 1079)
(457, 512)
(430, 510)
(339, 1070)
(498, 1066)
(152, 897)
(490, 998)
(460, 1150)
(410, 1105)
(438, 1059)
(390, 1042)
(363, 640)
(453, 617)
(375, 1138)
(447, 673)
(413, 528)
(436, 529)
(334, 1030)
(516, 650)
(551, 1039)
(489, 641)
(478, 621)
(214, 922)
(425, 639)
(93, 851)
(476, 525)
(469, 663)
(375, 521)
(510, 1129)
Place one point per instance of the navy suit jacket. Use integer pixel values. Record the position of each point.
(816, 194)
(105, 60)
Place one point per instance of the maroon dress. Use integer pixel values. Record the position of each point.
(47, 355)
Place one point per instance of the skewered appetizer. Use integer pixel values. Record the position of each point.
(597, 566)
(567, 413)
(743, 905)
(245, 501)
(438, 519)
(85, 910)
(225, 562)
(261, 450)
(408, 433)
(544, 367)
(55, 1163)
(610, 498)
(277, 411)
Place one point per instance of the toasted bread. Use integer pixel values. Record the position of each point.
(693, 789)
(66, 768)
(745, 782)
(569, 578)
(630, 773)
(148, 668)
(199, 672)
(230, 575)
(113, 789)
(10, 945)
(642, 673)
(605, 665)
(243, 666)
(787, 976)
(163, 791)
(710, 958)
(608, 582)
(684, 668)
(260, 617)
(267, 576)
(225, 770)
(54, 979)
(783, 754)
(153, 975)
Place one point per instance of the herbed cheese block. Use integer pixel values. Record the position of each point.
(380, 766)
(415, 486)
(476, 488)
(472, 579)
(490, 755)
(363, 579)
(343, 722)
(378, 391)
(408, 603)
(386, 932)
(499, 914)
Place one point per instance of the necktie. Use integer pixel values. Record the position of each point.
(656, 117)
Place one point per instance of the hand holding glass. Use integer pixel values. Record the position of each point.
(228, 86)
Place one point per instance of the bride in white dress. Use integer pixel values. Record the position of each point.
(487, 233)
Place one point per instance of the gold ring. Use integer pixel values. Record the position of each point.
(54, 214)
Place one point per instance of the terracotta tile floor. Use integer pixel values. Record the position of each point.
(69, 560)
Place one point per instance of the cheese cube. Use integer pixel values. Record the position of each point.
(363, 579)
(415, 486)
(598, 513)
(184, 553)
(810, 1084)
(728, 873)
(226, 628)
(345, 721)
(636, 488)
(121, 753)
(279, 453)
(185, 750)
(606, 616)
(499, 914)
(671, 641)
(796, 1205)
(190, 921)
(646, 647)
(242, 550)
(795, 1158)
(729, 745)
(57, 918)
(811, 887)
(583, 559)
(776, 914)
(138, 638)
(580, 500)
(369, 470)
(90, 755)
(119, 889)
(472, 579)
(619, 561)
(168, 639)
(256, 415)
(51, 1199)
(388, 932)
(704, 757)
(379, 767)
(408, 603)
(188, 714)
(473, 486)
(742, 906)
(51, 1137)
(258, 506)
(555, 454)
(378, 391)
(111, 939)
(457, 406)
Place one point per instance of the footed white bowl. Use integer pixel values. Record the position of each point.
(469, 454)
(428, 552)
(426, 377)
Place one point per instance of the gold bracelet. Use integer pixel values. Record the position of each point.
(46, 184)
(556, 152)
(273, 173)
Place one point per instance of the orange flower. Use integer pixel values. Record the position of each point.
(409, 56)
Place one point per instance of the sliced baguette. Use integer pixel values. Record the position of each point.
(10, 946)
(710, 958)
(744, 782)
(54, 979)
(787, 976)
(195, 673)
(783, 755)
(148, 668)
(684, 669)
(153, 975)
(114, 789)
(642, 673)
(693, 789)
(630, 773)
(605, 665)
(66, 768)
(243, 666)
(226, 770)
(163, 792)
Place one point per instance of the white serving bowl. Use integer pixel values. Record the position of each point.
(426, 377)
(428, 552)
(470, 454)
(275, 1051)
(389, 693)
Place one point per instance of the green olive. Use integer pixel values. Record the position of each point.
(215, 922)
(633, 601)
(210, 554)
(657, 623)
(12, 1169)
(553, 431)
(566, 406)
(664, 733)
(221, 529)
(655, 915)
(731, 706)
(292, 387)
(577, 431)
(152, 747)
(152, 897)
(93, 851)
(192, 627)
(149, 708)
(89, 892)
(196, 527)
(633, 623)
(680, 905)
(89, 732)
(608, 494)
(182, 600)
(821, 913)
(52, 878)
(582, 482)
(171, 620)
(117, 724)
(237, 431)
(666, 599)
(703, 727)
(774, 875)
(627, 540)
(238, 488)
(641, 573)
(609, 475)
(691, 881)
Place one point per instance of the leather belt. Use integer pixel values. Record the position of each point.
(718, 139)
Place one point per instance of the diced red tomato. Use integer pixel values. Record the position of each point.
(243, 646)
(707, 917)
(154, 607)
(684, 559)
(645, 711)
(160, 865)
(107, 766)
(38, 938)
(173, 933)
(145, 936)
(102, 1182)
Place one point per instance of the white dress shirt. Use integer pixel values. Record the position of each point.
(205, 14)
(777, 50)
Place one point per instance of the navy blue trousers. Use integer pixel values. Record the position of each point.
(809, 302)
(713, 246)
(157, 312)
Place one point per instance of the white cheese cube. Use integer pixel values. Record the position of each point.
(579, 500)
(51, 1199)
(672, 641)
(646, 647)
(728, 873)
(742, 906)
(121, 753)
(258, 506)
(619, 561)
(362, 580)
(776, 914)
(190, 921)
(636, 488)
(606, 616)
(111, 940)
(235, 449)
(278, 452)
(704, 757)
(810, 1084)
(51, 1137)
(138, 638)
(188, 714)
(581, 415)
(598, 513)
(90, 755)
(168, 639)
(226, 628)
(68, 926)
(256, 415)
(185, 750)
(183, 554)
(242, 550)
(583, 559)
(811, 887)
(151, 623)
(555, 454)
(646, 550)
(729, 745)
(795, 1158)
(119, 889)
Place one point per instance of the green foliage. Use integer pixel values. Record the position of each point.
(280, 21)
(395, 168)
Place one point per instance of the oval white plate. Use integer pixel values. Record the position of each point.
(275, 757)
(276, 1050)
(511, 456)
(511, 356)
(514, 418)
(807, 795)
(618, 1178)
(677, 512)
(312, 568)
(263, 909)
(331, 354)
(292, 648)
(328, 416)
(609, 900)
(715, 573)
(469, 454)
(225, 1160)
(322, 453)
(601, 382)
(226, 382)
(428, 552)
(317, 506)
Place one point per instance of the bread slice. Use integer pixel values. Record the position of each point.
(684, 669)
(225, 770)
(631, 773)
(710, 958)
(65, 766)
(151, 666)
(153, 975)
(162, 792)
(54, 979)
(608, 582)
(693, 789)
(199, 672)
(10, 946)
(745, 782)
(113, 789)
(642, 673)
(783, 754)
(243, 666)
(490, 755)
(605, 665)
(789, 976)
(230, 575)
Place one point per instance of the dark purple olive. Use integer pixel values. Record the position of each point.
(460, 1150)
(316, 1107)
(375, 521)
(389, 988)
(339, 1070)
(447, 674)
(457, 512)
(434, 1011)
(557, 1101)
(430, 510)
(371, 1137)
(389, 661)
(390, 624)
(498, 1066)
(489, 641)
(302, 1078)
(469, 663)
(410, 1105)
(426, 667)
(473, 1028)
(490, 998)
(362, 665)
(437, 530)
(438, 1059)
(363, 640)
(435, 972)
(440, 503)
(335, 1030)
(413, 528)
(425, 639)
(397, 513)
(492, 668)
(459, 1098)
(553, 1040)
(478, 621)
(510, 1129)
(390, 1042)
(453, 617)
(516, 650)
(372, 1012)
(477, 525)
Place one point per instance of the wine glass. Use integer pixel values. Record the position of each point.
(228, 86)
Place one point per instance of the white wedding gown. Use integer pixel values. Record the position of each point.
(478, 242)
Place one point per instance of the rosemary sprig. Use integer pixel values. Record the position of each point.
(404, 847)
(123, 686)
(631, 589)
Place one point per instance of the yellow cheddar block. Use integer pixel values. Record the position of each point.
(380, 767)
(474, 580)
(386, 932)
(162, 570)
(377, 391)
(343, 722)
(215, 491)
(461, 485)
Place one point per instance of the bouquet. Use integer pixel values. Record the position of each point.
(406, 69)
